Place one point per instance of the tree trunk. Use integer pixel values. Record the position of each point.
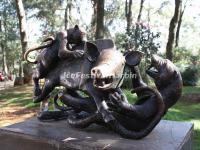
(4, 64)
(182, 10)
(24, 43)
(100, 19)
(172, 28)
(128, 12)
(5, 67)
(140, 11)
(92, 30)
(67, 13)
(138, 21)
(66, 17)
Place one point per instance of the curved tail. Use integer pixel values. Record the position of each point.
(140, 134)
(38, 48)
(51, 38)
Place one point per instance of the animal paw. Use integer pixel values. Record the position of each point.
(78, 53)
(117, 99)
(107, 116)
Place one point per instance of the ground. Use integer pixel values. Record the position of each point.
(16, 105)
(6, 85)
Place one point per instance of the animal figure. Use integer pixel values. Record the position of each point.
(105, 103)
(133, 120)
(58, 48)
(167, 79)
(69, 74)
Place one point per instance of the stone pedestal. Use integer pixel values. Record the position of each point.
(35, 135)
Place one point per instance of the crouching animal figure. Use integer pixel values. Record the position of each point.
(58, 48)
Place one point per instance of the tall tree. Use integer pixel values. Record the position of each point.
(128, 14)
(172, 29)
(46, 12)
(182, 10)
(138, 22)
(99, 19)
(140, 10)
(24, 42)
(9, 39)
(4, 63)
(68, 13)
(92, 27)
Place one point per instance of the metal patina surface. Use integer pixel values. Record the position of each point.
(103, 103)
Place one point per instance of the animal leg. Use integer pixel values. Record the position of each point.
(77, 103)
(37, 90)
(137, 82)
(47, 89)
(101, 105)
(127, 133)
(147, 108)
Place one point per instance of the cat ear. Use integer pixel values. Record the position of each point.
(76, 27)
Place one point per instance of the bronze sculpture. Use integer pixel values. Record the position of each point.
(104, 102)
(57, 49)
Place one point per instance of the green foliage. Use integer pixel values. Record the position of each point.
(188, 64)
(143, 39)
(191, 75)
(46, 11)
(185, 56)
(191, 90)
(9, 35)
(130, 96)
(139, 38)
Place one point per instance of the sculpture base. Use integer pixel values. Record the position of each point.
(33, 134)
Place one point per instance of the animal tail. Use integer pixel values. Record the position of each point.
(82, 122)
(38, 48)
(51, 38)
(140, 134)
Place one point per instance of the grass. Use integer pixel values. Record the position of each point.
(191, 89)
(19, 96)
(187, 112)
(182, 111)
